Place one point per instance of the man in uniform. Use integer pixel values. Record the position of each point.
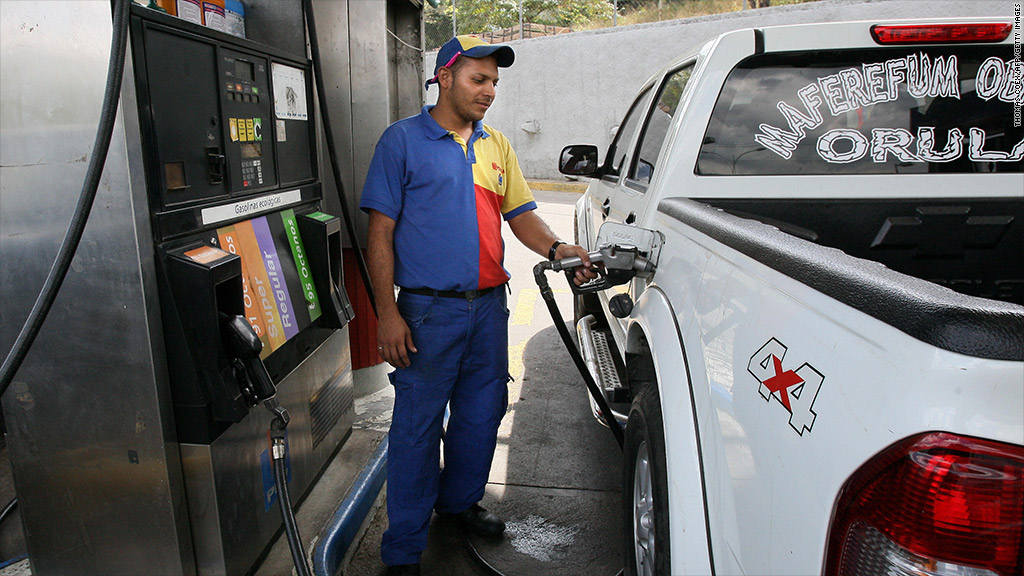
(438, 187)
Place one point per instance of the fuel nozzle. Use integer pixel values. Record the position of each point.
(614, 264)
(243, 346)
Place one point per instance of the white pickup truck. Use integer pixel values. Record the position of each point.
(825, 372)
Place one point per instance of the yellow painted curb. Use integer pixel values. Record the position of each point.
(555, 186)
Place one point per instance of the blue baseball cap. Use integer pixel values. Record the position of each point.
(473, 47)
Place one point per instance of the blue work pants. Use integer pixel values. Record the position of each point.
(462, 361)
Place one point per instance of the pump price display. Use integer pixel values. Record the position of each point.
(277, 287)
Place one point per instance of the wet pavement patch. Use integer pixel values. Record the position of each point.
(541, 539)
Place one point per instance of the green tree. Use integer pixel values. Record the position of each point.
(566, 13)
(476, 16)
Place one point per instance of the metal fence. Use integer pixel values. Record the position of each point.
(504, 20)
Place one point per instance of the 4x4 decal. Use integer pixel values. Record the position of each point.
(794, 389)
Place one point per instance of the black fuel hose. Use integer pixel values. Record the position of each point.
(581, 364)
(483, 564)
(61, 264)
(284, 500)
(3, 516)
(8, 509)
(332, 150)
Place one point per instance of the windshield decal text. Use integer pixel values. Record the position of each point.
(854, 90)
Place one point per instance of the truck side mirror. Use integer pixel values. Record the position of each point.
(578, 160)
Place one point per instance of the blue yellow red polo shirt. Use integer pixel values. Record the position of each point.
(447, 198)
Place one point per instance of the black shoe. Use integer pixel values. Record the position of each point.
(404, 569)
(478, 521)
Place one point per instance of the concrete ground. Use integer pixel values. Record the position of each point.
(555, 476)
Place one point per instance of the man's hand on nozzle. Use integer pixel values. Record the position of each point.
(582, 274)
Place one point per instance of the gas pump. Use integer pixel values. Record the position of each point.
(216, 285)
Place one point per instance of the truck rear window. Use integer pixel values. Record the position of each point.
(876, 111)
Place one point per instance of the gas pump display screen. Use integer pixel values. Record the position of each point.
(244, 70)
(277, 287)
(251, 150)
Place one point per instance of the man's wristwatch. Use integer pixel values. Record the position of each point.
(554, 249)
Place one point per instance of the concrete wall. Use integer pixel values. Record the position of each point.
(575, 88)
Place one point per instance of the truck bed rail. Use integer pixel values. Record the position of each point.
(933, 314)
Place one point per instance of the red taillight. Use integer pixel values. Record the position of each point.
(932, 504)
(940, 33)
